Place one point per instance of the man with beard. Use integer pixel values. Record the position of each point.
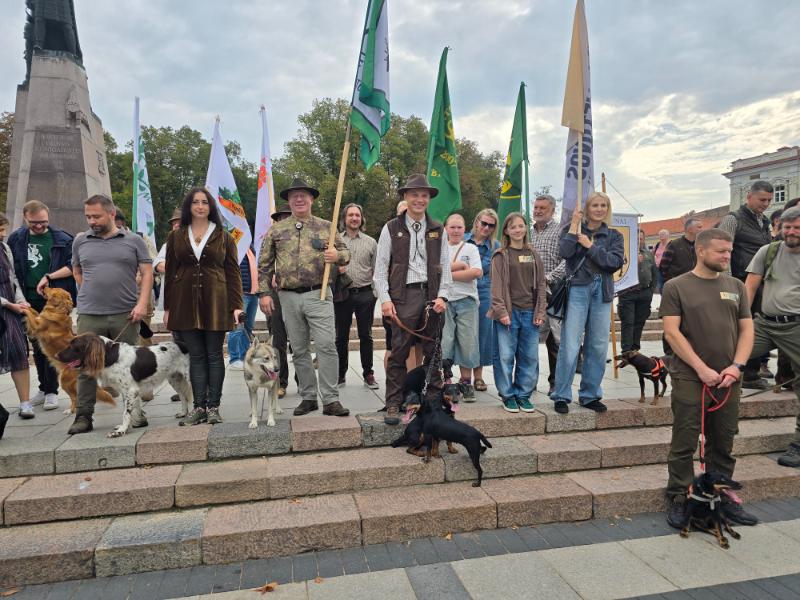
(707, 323)
(777, 265)
(105, 262)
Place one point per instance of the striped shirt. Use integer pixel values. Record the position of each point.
(546, 244)
(363, 250)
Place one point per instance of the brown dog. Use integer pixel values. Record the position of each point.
(52, 328)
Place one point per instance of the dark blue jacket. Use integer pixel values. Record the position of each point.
(60, 256)
(607, 252)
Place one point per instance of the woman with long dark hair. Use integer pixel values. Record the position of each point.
(202, 297)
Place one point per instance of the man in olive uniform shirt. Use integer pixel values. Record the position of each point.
(295, 252)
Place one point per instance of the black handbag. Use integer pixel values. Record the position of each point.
(557, 303)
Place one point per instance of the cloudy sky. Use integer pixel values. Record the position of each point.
(680, 88)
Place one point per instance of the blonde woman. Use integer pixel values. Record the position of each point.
(593, 252)
(484, 236)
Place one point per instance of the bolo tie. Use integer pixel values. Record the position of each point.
(417, 226)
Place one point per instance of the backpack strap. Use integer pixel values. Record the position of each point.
(772, 252)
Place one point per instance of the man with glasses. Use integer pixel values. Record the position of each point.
(412, 269)
(42, 257)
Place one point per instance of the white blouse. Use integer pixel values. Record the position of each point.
(198, 248)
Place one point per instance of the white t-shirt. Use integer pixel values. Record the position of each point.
(470, 255)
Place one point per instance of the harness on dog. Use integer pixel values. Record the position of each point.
(659, 368)
(710, 500)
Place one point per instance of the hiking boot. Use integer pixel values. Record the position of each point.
(305, 407)
(734, 511)
(561, 407)
(392, 416)
(335, 409)
(82, 424)
(525, 405)
(369, 381)
(510, 404)
(467, 391)
(676, 513)
(765, 372)
(790, 458)
(212, 415)
(195, 417)
(755, 384)
(26, 410)
(281, 392)
(50, 402)
(596, 406)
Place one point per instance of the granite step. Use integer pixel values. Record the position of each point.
(194, 484)
(40, 553)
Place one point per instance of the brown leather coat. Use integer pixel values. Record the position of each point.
(202, 294)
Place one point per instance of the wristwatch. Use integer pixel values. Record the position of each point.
(47, 276)
(739, 366)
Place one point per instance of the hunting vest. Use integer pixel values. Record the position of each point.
(401, 247)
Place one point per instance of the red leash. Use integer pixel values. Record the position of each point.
(716, 404)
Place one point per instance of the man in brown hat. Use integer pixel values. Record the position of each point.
(412, 269)
(294, 252)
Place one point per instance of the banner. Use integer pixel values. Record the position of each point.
(221, 185)
(442, 155)
(577, 116)
(370, 112)
(511, 189)
(143, 218)
(265, 205)
(628, 275)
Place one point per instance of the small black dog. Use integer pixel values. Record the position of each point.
(438, 424)
(3, 420)
(652, 368)
(704, 507)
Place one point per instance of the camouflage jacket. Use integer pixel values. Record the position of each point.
(295, 256)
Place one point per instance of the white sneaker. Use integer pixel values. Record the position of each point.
(26, 410)
(38, 399)
(236, 365)
(51, 402)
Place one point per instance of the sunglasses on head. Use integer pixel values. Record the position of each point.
(489, 225)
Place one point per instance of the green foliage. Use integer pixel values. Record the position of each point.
(6, 127)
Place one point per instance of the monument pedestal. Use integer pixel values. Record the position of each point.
(58, 153)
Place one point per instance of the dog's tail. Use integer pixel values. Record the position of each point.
(486, 442)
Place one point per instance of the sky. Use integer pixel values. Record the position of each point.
(680, 89)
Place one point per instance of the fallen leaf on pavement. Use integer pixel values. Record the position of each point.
(87, 478)
(295, 500)
(318, 580)
(267, 587)
(9, 592)
(448, 537)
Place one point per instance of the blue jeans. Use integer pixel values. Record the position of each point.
(586, 313)
(519, 342)
(238, 340)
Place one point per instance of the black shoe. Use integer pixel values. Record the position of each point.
(790, 458)
(305, 407)
(82, 424)
(174, 398)
(765, 372)
(676, 513)
(735, 512)
(596, 406)
(561, 407)
(756, 384)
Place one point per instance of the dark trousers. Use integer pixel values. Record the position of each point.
(206, 365)
(412, 314)
(48, 376)
(721, 427)
(362, 303)
(279, 340)
(634, 309)
(552, 356)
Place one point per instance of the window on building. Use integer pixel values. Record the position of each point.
(755, 177)
(779, 195)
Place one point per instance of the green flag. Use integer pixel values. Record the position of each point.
(516, 159)
(442, 156)
(370, 113)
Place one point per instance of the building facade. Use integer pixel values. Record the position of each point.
(781, 168)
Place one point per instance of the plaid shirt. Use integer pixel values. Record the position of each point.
(546, 244)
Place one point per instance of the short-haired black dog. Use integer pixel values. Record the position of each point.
(704, 507)
(3, 420)
(647, 367)
(438, 424)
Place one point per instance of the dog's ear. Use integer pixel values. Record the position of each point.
(94, 358)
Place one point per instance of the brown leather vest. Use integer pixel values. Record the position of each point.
(401, 247)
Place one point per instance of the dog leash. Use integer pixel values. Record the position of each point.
(435, 362)
(772, 388)
(416, 332)
(716, 404)
(119, 335)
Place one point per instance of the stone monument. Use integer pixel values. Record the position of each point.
(57, 152)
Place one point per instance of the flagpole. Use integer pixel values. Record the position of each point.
(613, 328)
(339, 191)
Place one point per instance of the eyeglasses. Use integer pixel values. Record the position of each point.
(38, 222)
(487, 225)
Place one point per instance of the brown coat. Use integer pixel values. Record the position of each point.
(501, 286)
(202, 294)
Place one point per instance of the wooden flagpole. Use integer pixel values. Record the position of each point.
(336, 207)
(613, 328)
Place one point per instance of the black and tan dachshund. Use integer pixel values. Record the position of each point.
(704, 507)
(647, 367)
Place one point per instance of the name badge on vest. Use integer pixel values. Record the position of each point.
(525, 258)
(729, 296)
(433, 235)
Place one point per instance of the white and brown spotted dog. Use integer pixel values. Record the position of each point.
(261, 366)
(135, 371)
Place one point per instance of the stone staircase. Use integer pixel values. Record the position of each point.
(176, 497)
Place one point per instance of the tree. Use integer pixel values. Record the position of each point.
(6, 129)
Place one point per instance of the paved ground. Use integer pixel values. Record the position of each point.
(618, 558)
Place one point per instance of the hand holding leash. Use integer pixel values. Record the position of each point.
(728, 378)
(439, 306)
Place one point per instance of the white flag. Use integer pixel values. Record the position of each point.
(265, 205)
(143, 216)
(577, 115)
(221, 185)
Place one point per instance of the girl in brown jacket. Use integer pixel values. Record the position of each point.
(202, 297)
(518, 310)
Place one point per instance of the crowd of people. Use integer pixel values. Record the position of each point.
(730, 295)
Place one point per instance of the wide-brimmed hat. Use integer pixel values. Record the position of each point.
(418, 181)
(176, 214)
(299, 184)
(283, 209)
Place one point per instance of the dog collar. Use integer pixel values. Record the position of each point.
(711, 501)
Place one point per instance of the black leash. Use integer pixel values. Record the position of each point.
(436, 360)
(772, 388)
